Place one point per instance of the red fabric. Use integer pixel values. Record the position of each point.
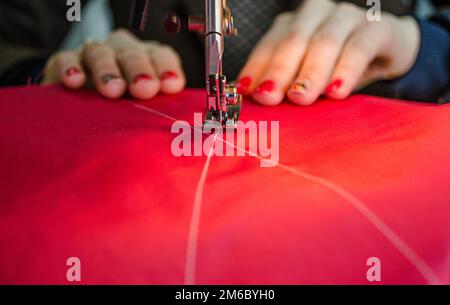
(88, 178)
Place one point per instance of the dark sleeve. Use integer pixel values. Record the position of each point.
(24, 71)
(429, 78)
(29, 32)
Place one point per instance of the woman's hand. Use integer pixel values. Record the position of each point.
(327, 48)
(122, 63)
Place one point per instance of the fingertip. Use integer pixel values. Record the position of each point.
(112, 87)
(268, 94)
(243, 85)
(268, 99)
(73, 78)
(172, 87)
(337, 90)
(144, 87)
(337, 95)
(300, 99)
(300, 93)
(172, 82)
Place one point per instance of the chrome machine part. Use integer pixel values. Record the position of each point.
(223, 101)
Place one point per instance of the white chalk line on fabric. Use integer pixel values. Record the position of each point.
(422, 267)
(194, 227)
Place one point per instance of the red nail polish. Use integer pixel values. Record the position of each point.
(72, 71)
(169, 75)
(243, 84)
(266, 87)
(142, 77)
(334, 86)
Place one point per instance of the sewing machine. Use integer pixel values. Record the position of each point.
(223, 102)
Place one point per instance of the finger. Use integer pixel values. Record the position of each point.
(261, 54)
(168, 67)
(100, 59)
(382, 67)
(65, 68)
(359, 52)
(289, 52)
(375, 72)
(323, 53)
(139, 71)
(122, 38)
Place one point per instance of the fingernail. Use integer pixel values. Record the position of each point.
(72, 71)
(266, 87)
(300, 87)
(168, 75)
(142, 77)
(243, 84)
(334, 86)
(109, 77)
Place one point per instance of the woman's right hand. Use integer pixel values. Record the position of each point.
(122, 63)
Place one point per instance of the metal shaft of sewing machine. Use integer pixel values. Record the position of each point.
(223, 102)
(214, 44)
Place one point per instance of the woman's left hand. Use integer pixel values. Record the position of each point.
(327, 48)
